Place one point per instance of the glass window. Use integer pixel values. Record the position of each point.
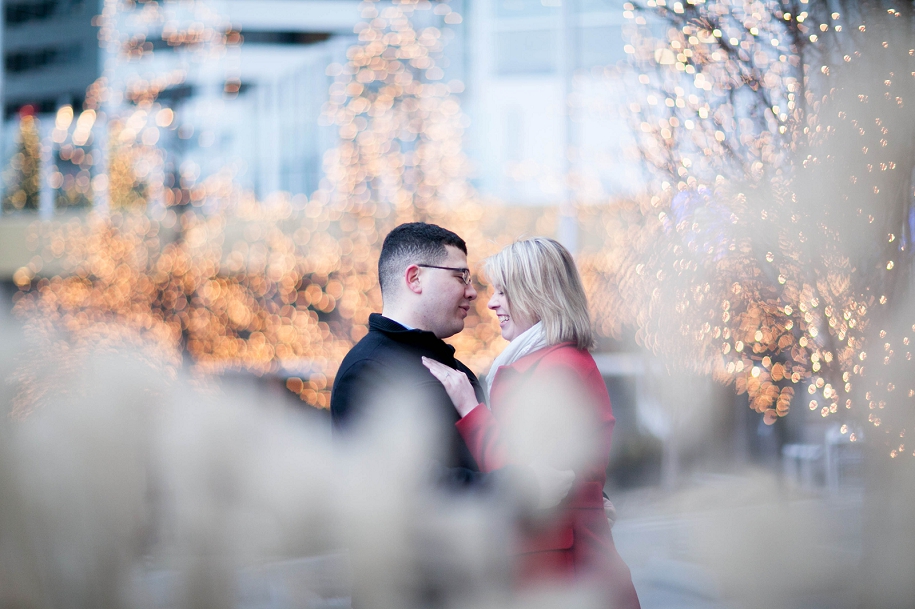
(37, 59)
(24, 12)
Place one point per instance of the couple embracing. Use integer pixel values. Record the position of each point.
(543, 414)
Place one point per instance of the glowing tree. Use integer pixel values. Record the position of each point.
(235, 287)
(775, 244)
(400, 157)
(74, 159)
(22, 175)
(201, 267)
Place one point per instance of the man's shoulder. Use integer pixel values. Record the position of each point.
(371, 348)
(377, 348)
(362, 371)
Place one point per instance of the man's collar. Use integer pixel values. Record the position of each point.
(377, 321)
(398, 317)
(401, 333)
(408, 327)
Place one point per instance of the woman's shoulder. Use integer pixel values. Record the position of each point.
(570, 354)
(561, 355)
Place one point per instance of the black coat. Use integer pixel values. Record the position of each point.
(386, 365)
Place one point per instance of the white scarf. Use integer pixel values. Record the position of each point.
(528, 341)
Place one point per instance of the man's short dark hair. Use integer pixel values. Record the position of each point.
(414, 243)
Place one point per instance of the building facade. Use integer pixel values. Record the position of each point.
(50, 53)
(538, 77)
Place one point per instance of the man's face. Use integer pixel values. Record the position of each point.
(445, 298)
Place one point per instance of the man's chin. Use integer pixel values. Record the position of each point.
(451, 331)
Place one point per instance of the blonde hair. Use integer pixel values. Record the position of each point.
(540, 282)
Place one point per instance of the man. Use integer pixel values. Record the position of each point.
(427, 294)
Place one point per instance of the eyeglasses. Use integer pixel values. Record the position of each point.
(465, 273)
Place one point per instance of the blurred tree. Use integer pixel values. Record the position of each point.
(22, 175)
(279, 286)
(126, 160)
(400, 157)
(774, 246)
(775, 249)
(187, 265)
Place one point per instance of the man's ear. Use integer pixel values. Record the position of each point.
(412, 278)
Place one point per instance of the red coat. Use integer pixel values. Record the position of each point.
(552, 406)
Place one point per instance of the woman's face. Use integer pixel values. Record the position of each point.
(511, 326)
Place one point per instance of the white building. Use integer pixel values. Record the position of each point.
(544, 101)
(271, 127)
(538, 75)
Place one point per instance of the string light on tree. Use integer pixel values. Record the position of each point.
(751, 260)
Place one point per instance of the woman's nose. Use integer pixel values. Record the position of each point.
(492, 304)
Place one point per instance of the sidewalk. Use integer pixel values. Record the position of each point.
(740, 542)
(720, 542)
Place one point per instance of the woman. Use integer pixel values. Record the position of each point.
(549, 406)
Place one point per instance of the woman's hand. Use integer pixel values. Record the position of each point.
(456, 384)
